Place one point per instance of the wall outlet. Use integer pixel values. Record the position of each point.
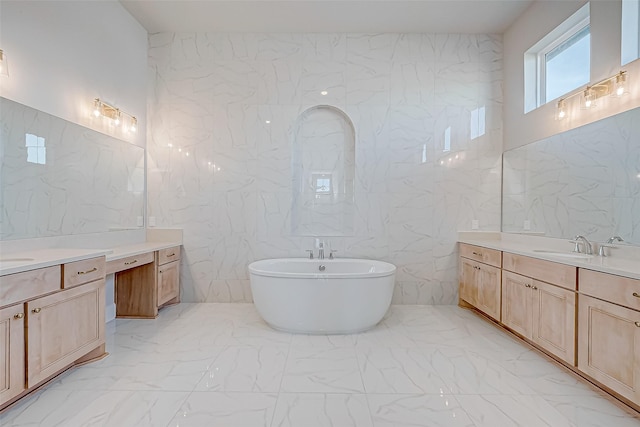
(152, 221)
(475, 224)
(139, 221)
(526, 225)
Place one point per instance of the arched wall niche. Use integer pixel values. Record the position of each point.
(323, 168)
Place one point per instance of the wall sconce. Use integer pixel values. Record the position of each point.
(615, 86)
(102, 109)
(4, 64)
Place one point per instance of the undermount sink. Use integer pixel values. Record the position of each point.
(16, 259)
(563, 254)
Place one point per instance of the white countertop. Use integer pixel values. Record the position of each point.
(621, 266)
(40, 258)
(137, 249)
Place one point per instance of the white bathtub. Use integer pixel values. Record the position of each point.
(294, 295)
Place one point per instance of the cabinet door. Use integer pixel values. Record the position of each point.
(554, 320)
(467, 282)
(12, 370)
(489, 291)
(63, 327)
(168, 282)
(609, 345)
(516, 303)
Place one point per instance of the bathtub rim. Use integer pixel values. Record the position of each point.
(282, 274)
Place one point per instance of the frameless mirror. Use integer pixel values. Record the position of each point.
(583, 181)
(60, 178)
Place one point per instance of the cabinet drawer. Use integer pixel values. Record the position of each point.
(129, 262)
(616, 289)
(30, 284)
(545, 271)
(480, 254)
(85, 271)
(168, 255)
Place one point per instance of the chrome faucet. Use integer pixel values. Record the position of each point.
(321, 250)
(609, 244)
(587, 245)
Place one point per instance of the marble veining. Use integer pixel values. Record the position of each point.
(426, 110)
(78, 181)
(584, 181)
(220, 365)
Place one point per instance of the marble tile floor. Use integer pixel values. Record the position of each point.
(220, 365)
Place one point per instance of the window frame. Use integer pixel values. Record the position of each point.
(535, 78)
(541, 59)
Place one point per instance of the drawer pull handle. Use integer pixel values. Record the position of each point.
(19, 316)
(477, 253)
(637, 324)
(535, 288)
(170, 255)
(160, 271)
(635, 294)
(88, 271)
(131, 262)
(527, 285)
(36, 310)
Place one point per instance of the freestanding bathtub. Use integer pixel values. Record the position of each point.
(331, 296)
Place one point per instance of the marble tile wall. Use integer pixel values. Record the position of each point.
(426, 109)
(584, 181)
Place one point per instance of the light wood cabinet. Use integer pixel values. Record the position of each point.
(143, 286)
(609, 345)
(62, 328)
(540, 312)
(12, 372)
(479, 283)
(168, 282)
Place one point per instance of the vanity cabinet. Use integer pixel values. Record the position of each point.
(146, 282)
(48, 323)
(480, 281)
(168, 275)
(542, 313)
(12, 369)
(63, 327)
(609, 331)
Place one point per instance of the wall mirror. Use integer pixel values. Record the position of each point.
(60, 178)
(583, 181)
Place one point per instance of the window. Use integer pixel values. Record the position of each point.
(560, 62)
(36, 151)
(630, 31)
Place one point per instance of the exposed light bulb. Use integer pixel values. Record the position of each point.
(96, 107)
(620, 84)
(562, 112)
(116, 119)
(267, 121)
(134, 125)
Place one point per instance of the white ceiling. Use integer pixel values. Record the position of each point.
(434, 16)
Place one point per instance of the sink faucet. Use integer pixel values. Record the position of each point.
(587, 246)
(609, 244)
(321, 250)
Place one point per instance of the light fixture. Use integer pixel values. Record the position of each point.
(562, 110)
(102, 109)
(589, 98)
(615, 86)
(4, 64)
(620, 84)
